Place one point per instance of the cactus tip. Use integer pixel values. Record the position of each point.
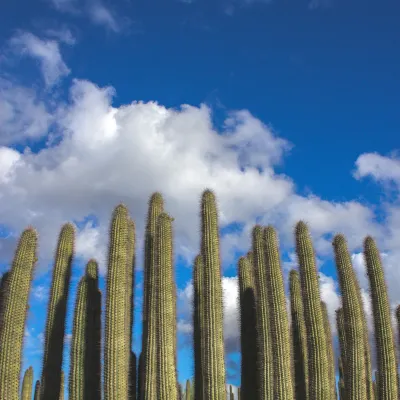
(301, 228)
(339, 240)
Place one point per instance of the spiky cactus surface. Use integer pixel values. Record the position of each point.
(15, 305)
(342, 346)
(56, 313)
(27, 382)
(36, 396)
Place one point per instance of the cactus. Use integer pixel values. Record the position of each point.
(198, 327)
(56, 313)
(279, 325)
(265, 358)
(386, 355)
(36, 396)
(238, 393)
(139, 377)
(231, 395)
(329, 348)
(132, 377)
(353, 322)
(15, 306)
(319, 385)
(299, 337)
(61, 386)
(341, 385)
(116, 362)
(342, 346)
(213, 350)
(3, 283)
(27, 383)
(165, 314)
(187, 391)
(248, 328)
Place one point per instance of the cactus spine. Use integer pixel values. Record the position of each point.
(386, 355)
(198, 334)
(15, 305)
(318, 364)
(27, 383)
(248, 328)
(36, 396)
(299, 337)
(265, 359)
(282, 370)
(56, 313)
(213, 350)
(116, 363)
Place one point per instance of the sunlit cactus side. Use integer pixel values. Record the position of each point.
(15, 306)
(156, 207)
(27, 382)
(356, 387)
(385, 346)
(188, 391)
(56, 315)
(36, 396)
(132, 377)
(319, 385)
(299, 337)
(238, 393)
(279, 323)
(198, 326)
(213, 351)
(329, 348)
(265, 357)
(166, 310)
(248, 328)
(116, 362)
(61, 397)
(342, 345)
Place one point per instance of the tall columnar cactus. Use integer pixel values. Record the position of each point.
(356, 388)
(318, 364)
(26, 393)
(386, 354)
(265, 357)
(231, 395)
(299, 337)
(15, 306)
(198, 326)
(61, 386)
(398, 322)
(56, 313)
(132, 377)
(213, 350)
(238, 393)
(36, 396)
(165, 311)
(3, 283)
(140, 376)
(341, 385)
(279, 324)
(188, 391)
(248, 328)
(342, 344)
(329, 348)
(116, 360)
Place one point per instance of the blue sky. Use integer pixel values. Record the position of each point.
(287, 109)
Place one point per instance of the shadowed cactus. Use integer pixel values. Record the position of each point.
(231, 395)
(198, 327)
(342, 347)
(56, 313)
(36, 396)
(15, 306)
(248, 328)
(238, 393)
(387, 385)
(213, 350)
(3, 282)
(188, 391)
(319, 384)
(132, 377)
(62, 386)
(279, 324)
(116, 360)
(26, 393)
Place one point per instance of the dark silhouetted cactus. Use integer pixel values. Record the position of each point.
(56, 313)
(319, 385)
(231, 395)
(279, 324)
(385, 348)
(37, 391)
(15, 306)
(198, 327)
(27, 382)
(248, 328)
(299, 337)
(116, 356)
(341, 385)
(140, 376)
(3, 283)
(62, 386)
(342, 346)
(188, 391)
(213, 351)
(132, 377)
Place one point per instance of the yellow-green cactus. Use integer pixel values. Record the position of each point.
(37, 391)
(27, 383)
(62, 386)
(342, 346)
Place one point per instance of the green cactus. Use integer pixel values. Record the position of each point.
(116, 356)
(61, 386)
(265, 357)
(198, 327)
(148, 383)
(132, 377)
(187, 391)
(165, 311)
(15, 306)
(356, 388)
(231, 395)
(27, 383)
(329, 348)
(37, 391)
(319, 385)
(3, 283)
(341, 385)
(238, 393)
(139, 377)
(56, 313)
(342, 346)
(279, 324)
(248, 328)
(299, 337)
(213, 351)
(385, 347)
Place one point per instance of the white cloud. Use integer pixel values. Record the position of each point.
(101, 15)
(47, 52)
(40, 292)
(63, 35)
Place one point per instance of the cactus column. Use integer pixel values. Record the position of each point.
(387, 386)
(15, 306)
(36, 396)
(343, 350)
(213, 351)
(56, 313)
(27, 383)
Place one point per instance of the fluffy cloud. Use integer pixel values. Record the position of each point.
(101, 15)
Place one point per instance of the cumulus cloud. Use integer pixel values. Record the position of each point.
(101, 15)
(63, 35)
